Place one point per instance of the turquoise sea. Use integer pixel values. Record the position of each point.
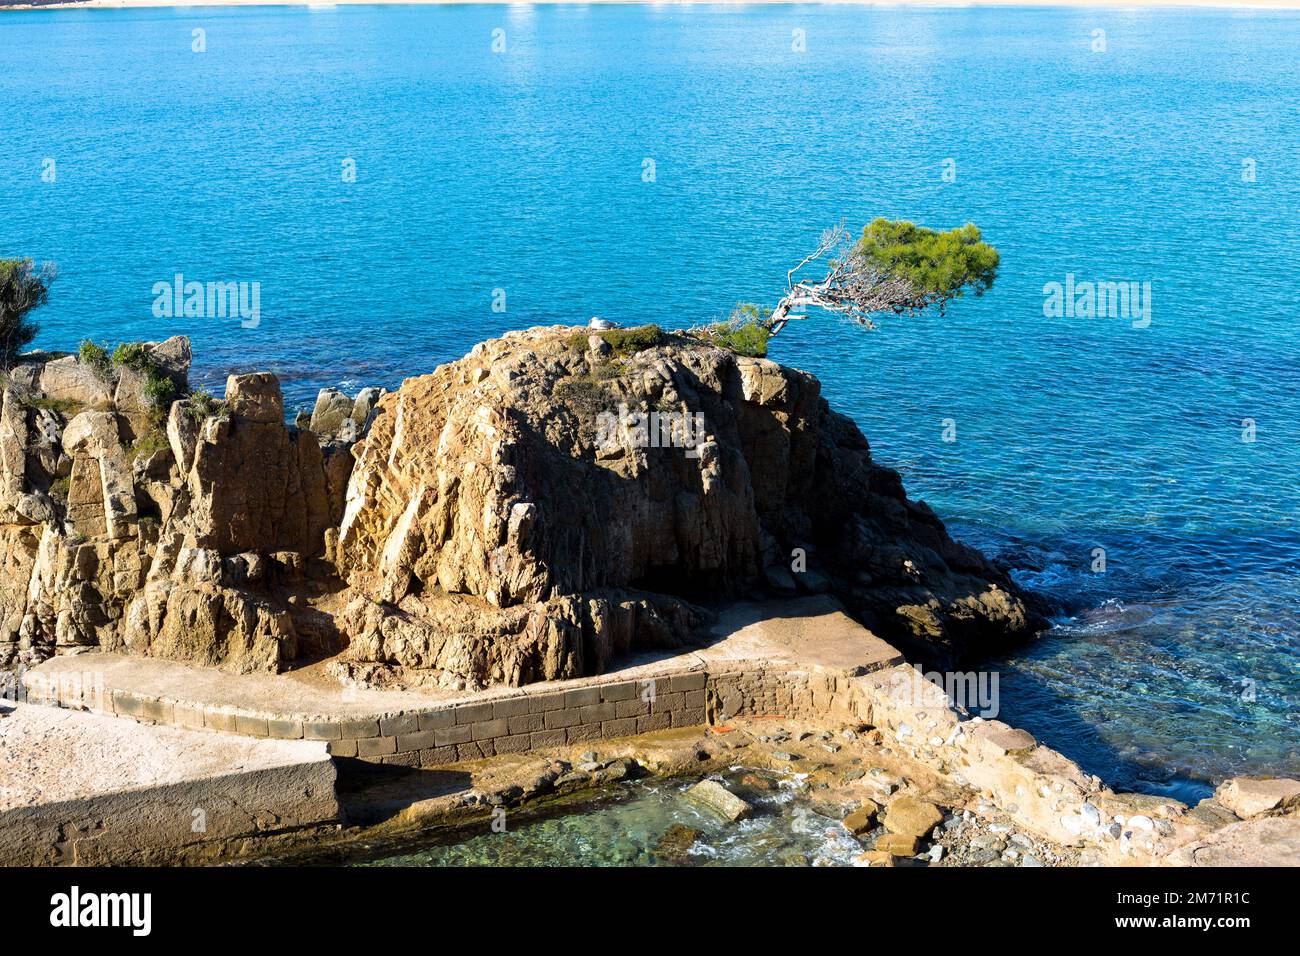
(1171, 156)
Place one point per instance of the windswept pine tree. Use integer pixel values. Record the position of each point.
(896, 267)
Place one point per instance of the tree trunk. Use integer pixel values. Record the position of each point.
(778, 318)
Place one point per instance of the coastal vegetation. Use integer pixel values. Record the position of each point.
(201, 404)
(66, 407)
(23, 287)
(896, 267)
(148, 444)
(745, 333)
(95, 357)
(622, 342)
(159, 387)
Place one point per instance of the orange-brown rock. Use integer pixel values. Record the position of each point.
(527, 513)
(175, 532)
(512, 487)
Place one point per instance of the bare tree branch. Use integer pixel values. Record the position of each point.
(851, 286)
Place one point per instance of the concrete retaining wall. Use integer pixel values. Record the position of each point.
(89, 790)
(528, 719)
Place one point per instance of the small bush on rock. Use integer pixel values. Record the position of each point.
(630, 341)
(95, 356)
(745, 333)
(158, 385)
(585, 396)
(148, 444)
(203, 404)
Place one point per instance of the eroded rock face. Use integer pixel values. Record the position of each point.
(508, 520)
(493, 492)
(179, 532)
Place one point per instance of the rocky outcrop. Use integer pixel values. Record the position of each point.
(552, 500)
(185, 530)
(511, 518)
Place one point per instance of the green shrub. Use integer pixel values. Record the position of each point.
(158, 385)
(67, 407)
(159, 389)
(152, 441)
(746, 333)
(131, 355)
(626, 342)
(748, 339)
(95, 356)
(59, 488)
(202, 404)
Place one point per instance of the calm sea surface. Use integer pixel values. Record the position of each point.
(525, 171)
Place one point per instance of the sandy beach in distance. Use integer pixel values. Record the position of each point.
(1114, 4)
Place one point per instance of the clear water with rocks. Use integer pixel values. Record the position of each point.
(522, 171)
(623, 827)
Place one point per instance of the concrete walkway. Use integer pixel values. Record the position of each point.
(86, 789)
(250, 754)
(643, 693)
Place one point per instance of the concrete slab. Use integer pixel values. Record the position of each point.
(87, 789)
(806, 632)
(304, 694)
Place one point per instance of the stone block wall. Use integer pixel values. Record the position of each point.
(517, 724)
(775, 691)
(483, 726)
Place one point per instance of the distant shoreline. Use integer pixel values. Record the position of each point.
(1101, 4)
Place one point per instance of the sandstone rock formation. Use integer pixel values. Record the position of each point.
(497, 529)
(509, 518)
(178, 531)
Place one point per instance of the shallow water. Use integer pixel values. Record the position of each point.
(522, 172)
(624, 827)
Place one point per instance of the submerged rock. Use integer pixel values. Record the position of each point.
(676, 842)
(716, 798)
